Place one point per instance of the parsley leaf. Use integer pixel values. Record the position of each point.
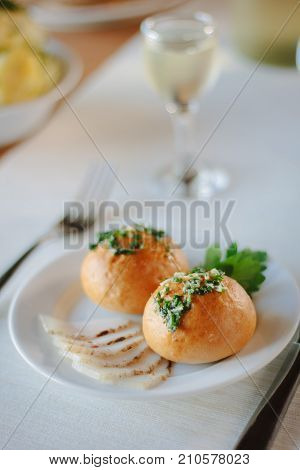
(212, 257)
(245, 266)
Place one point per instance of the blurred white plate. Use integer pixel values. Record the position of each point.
(18, 120)
(278, 306)
(59, 17)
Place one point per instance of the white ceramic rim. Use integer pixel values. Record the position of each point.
(148, 25)
(67, 83)
(73, 17)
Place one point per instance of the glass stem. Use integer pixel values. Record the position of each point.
(183, 126)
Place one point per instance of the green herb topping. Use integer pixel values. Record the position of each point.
(172, 305)
(245, 266)
(128, 240)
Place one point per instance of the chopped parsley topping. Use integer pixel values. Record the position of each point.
(127, 241)
(245, 266)
(172, 305)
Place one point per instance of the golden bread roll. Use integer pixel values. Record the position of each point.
(196, 328)
(126, 266)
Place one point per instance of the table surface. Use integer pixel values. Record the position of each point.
(271, 221)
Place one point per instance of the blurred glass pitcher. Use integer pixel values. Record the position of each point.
(267, 25)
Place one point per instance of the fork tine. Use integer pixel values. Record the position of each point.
(104, 186)
(99, 192)
(97, 188)
(85, 185)
(91, 182)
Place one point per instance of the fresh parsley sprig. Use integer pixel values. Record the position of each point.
(245, 266)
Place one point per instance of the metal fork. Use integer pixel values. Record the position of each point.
(98, 183)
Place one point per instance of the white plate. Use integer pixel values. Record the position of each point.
(60, 17)
(278, 306)
(17, 120)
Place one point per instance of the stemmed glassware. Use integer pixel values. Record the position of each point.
(179, 56)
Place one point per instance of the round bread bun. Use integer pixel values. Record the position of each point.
(124, 282)
(217, 325)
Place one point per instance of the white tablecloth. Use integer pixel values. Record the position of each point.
(257, 143)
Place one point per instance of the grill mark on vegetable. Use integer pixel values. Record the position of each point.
(100, 351)
(82, 337)
(105, 332)
(149, 371)
(125, 349)
(121, 338)
(152, 369)
(122, 363)
(112, 330)
(142, 368)
(87, 341)
(118, 340)
(127, 363)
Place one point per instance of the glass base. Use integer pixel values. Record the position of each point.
(196, 184)
(209, 182)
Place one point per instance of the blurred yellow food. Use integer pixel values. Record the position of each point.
(24, 76)
(16, 27)
(26, 71)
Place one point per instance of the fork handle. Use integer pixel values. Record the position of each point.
(8, 274)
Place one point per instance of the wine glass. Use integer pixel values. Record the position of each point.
(179, 54)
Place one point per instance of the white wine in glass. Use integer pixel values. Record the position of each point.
(179, 56)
